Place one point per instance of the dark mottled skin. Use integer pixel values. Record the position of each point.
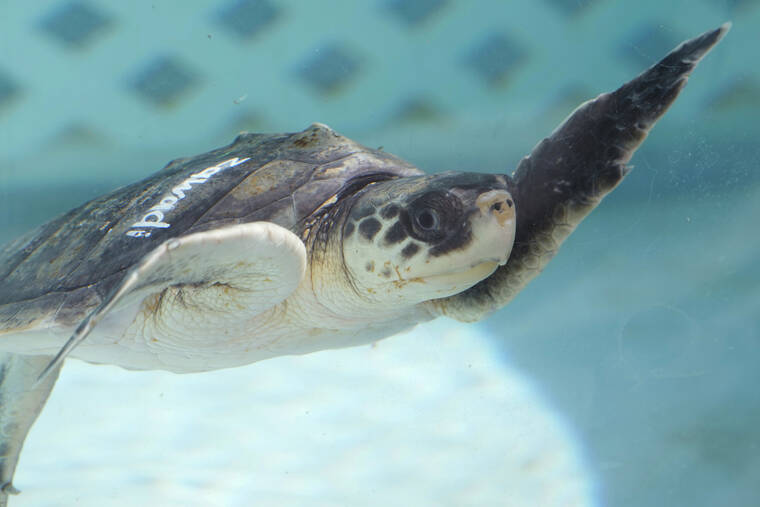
(410, 250)
(369, 227)
(396, 233)
(348, 230)
(389, 211)
(360, 212)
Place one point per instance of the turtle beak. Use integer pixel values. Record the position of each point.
(496, 224)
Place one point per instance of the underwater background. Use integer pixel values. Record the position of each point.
(627, 374)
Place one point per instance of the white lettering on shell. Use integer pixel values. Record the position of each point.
(155, 217)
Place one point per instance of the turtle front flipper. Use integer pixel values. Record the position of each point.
(567, 174)
(21, 400)
(204, 284)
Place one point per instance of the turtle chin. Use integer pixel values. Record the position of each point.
(454, 282)
(460, 269)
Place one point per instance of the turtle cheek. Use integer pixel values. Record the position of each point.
(362, 257)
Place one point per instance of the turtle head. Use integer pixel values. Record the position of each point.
(418, 238)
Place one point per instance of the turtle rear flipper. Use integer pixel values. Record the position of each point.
(567, 174)
(206, 281)
(21, 400)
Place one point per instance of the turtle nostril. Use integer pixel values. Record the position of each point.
(497, 203)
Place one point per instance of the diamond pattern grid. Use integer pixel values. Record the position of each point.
(419, 109)
(8, 89)
(739, 93)
(75, 24)
(483, 45)
(164, 80)
(415, 12)
(572, 7)
(495, 57)
(329, 69)
(247, 18)
(738, 4)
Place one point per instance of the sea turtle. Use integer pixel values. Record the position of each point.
(292, 243)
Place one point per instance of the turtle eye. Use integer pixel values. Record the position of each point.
(427, 219)
(429, 216)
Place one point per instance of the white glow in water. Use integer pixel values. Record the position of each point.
(433, 417)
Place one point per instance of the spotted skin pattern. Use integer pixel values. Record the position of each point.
(383, 229)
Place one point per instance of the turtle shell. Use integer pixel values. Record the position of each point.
(61, 271)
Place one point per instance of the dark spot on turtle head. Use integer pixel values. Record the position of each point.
(349, 230)
(410, 250)
(389, 211)
(370, 266)
(369, 227)
(386, 273)
(460, 239)
(395, 234)
(361, 212)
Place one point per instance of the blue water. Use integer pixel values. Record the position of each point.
(640, 341)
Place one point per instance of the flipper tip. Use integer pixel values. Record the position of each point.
(46, 371)
(54, 363)
(9, 489)
(695, 49)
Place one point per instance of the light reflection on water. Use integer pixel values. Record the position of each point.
(433, 417)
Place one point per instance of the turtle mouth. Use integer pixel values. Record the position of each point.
(462, 279)
(476, 267)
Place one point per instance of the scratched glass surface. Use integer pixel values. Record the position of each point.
(626, 374)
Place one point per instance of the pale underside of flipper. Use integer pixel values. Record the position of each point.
(215, 280)
(21, 400)
(567, 174)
